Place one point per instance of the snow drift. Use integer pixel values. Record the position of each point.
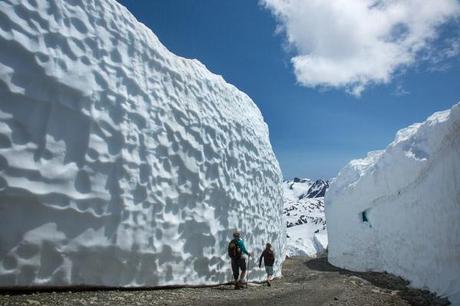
(398, 210)
(305, 220)
(122, 164)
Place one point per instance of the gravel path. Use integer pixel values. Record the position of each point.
(306, 281)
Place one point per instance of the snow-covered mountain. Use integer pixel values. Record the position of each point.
(122, 164)
(304, 213)
(398, 210)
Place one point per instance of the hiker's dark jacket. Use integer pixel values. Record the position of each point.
(268, 256)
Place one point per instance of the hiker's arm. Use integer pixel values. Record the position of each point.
(260, 259)
(243, 248)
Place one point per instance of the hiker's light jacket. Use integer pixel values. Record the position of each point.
(240, 243)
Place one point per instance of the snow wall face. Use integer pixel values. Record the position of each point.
(398, 210)
(122, 164)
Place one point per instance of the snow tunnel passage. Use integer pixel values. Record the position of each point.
(365, 217)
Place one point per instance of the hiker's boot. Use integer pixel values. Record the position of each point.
(268, 283)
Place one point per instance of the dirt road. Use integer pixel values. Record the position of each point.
(306, 281)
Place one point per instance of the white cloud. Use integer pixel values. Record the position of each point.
(439, 57)
(400, 91)
(353, 43)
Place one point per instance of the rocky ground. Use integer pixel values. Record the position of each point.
(306, 281)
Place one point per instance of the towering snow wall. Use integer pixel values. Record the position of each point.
(122, 164)
(398, 210)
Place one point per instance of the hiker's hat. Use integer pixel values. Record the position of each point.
(236, 234)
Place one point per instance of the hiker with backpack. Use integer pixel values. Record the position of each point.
(236, 249)
(269, 259)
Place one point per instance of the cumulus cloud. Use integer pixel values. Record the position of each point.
(353, 43)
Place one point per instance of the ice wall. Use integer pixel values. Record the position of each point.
(122, 164)
(398, 210)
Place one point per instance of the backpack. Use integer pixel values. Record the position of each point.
(234, 250)
(269, 259)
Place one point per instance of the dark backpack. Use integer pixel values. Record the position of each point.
(234, 250)
(269, 258)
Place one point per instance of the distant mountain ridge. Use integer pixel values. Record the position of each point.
(312, 189)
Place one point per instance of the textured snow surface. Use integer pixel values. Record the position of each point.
(122, 164)
(398, 210)
(305, 220)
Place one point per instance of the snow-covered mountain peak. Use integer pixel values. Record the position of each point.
(304, 213)
(299, 188)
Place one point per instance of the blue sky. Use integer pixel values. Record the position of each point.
(317, 122)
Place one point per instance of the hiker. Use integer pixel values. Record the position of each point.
(269, 259)
(236, 249)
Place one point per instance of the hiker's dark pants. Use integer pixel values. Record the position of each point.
(237, 264)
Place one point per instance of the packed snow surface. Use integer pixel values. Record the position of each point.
(398, 210)
(122, 164)
(305, 220)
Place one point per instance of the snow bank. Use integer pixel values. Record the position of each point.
(305, 220)
(122, 164)
(398, 210)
